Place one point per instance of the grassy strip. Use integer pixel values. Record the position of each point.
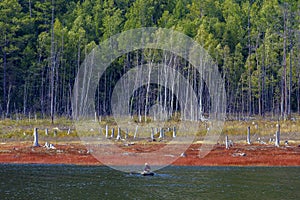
(23, 129)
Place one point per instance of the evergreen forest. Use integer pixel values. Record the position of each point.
(255, 44)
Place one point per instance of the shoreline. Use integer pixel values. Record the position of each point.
(77, 154)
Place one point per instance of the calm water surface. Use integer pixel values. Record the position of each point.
(99, 182)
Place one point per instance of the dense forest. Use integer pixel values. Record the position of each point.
(255, 43)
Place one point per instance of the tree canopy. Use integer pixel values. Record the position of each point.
(256, 45)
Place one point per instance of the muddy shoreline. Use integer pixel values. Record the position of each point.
(76, 153)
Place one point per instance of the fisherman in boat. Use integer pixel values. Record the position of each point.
(147, 168)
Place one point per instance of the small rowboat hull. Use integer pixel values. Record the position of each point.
(147, 174)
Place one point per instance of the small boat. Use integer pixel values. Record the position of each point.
(145, 173)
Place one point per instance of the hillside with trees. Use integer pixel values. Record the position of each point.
(256, 45)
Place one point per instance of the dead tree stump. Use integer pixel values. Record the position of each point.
(277, 135)
(174, 132)
(119, 134)
(248, 136)
(36, 137)
(106, 131)
(226, 142)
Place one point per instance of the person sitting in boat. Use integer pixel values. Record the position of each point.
(147, 168)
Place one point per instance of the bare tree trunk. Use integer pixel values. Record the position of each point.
(30, 10)
(172, 92)
(56, 85)
(263, 75)
(260, 81)
(64, 87)
(166, 72)
(25, 96)
(42, 90)
(298, 72)
(139, 95)
(8, 99)
(4, 76)
(52, 66)
(298, 62)
(249, 55)
(148, 89)
(290, 84)
(298, 89)
(284, 106)
(187, 94)
(290, 35)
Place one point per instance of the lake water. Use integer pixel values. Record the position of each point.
(100, 182)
